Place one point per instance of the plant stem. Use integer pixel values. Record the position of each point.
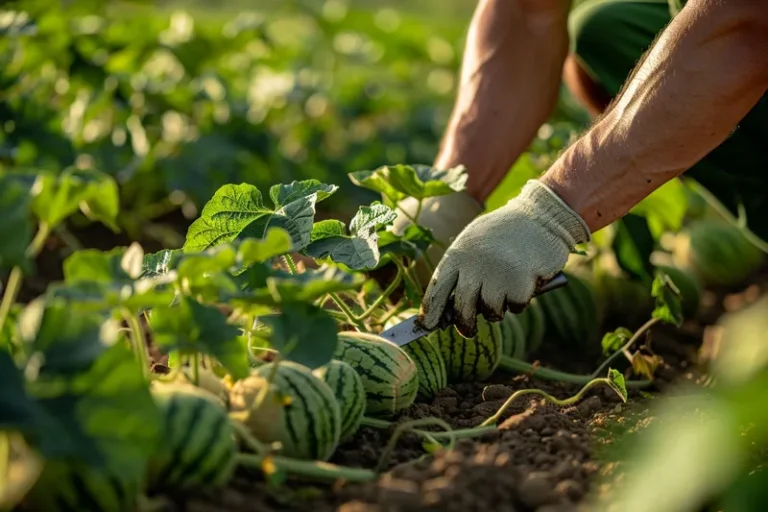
(412, 219)
(455, 434)
(408, 277)
(381, 298)
(248, 438)
(347, 312)
(567, 401)
(392, 312)
(196, 368)
(137, 338)
(312, 469)
(291, 265)
(516, 365)
(418, 211)
(642, 330)
(13, 285)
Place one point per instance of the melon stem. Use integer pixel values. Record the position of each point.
(381, 298)
(642, 330)
(317, 470)
(561, 403)
(511, 364)
(463, 433)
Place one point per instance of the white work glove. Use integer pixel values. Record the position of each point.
(501, 258)
(445, 216)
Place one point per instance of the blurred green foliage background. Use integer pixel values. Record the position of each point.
(175, 99)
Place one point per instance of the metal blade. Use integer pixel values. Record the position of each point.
(410, 329)
(405, 332)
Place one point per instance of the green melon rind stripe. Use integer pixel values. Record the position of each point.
(324, 433)
(430, 367)
(207, 448)
(305, 441)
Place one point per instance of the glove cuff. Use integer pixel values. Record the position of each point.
(546, 206)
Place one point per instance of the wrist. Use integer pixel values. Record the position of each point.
(544, 204)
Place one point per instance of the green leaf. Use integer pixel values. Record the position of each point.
(121, 264)
(276, 242)
(159, 263)
(633, 245)
(57, 196)
(267, 286)
(303, 333)
(326, 229)
(69, 343)
(238, 211)
(16, 227)
(414, 241)
(191, 327)
(82, 395)
(616, 381)
(613, 341)
(359, 250)
(103, 415)
(665, 208)
(669, 307)
(396, 182)
(100, 281)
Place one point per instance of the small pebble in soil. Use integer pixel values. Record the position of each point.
(589, 406)
(536, 490)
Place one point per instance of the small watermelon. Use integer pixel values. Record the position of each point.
(198, 444)
(429, 362)
(470, 359)
(300, 411)
(65, 487)
(349, 391)
(716, 252)
(532, 318)
(389, 374)
(571, 314)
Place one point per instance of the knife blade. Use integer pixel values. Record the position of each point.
(410, 329)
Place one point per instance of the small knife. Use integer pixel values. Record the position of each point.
(410, 329)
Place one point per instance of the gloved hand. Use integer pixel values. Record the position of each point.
(445, 215)
(500, 258)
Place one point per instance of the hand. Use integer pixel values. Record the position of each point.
(497, 262)
(445, 215)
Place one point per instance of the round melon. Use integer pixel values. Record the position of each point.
(300, 410)
(470, 359)
(430, 366)
(349, 391)
(389, 375)
(716, 252)
(198, 444)
(571, 314)
(64, 487)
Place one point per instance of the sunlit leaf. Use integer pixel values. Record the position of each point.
(359, 250)
(414, 241)
(396, 182)
(614, 340)
(276, 242)
(616, 380)
(665, 208)
(190, 327)
(238, 211)
(303, 333)
(669, 307)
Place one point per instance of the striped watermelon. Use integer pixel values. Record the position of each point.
(300, 411)
(571, 314)
(512, 336)
(389, 374)
(469, 359)
(430, 365)
(716, 252)
(198, 445)
(349, 391)
(532, 322)
(71, 486)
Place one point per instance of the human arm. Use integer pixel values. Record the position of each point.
(510, 78)
(702, 76)
(705, 72)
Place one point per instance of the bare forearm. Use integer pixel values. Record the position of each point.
(704, 74)
(509, 83)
